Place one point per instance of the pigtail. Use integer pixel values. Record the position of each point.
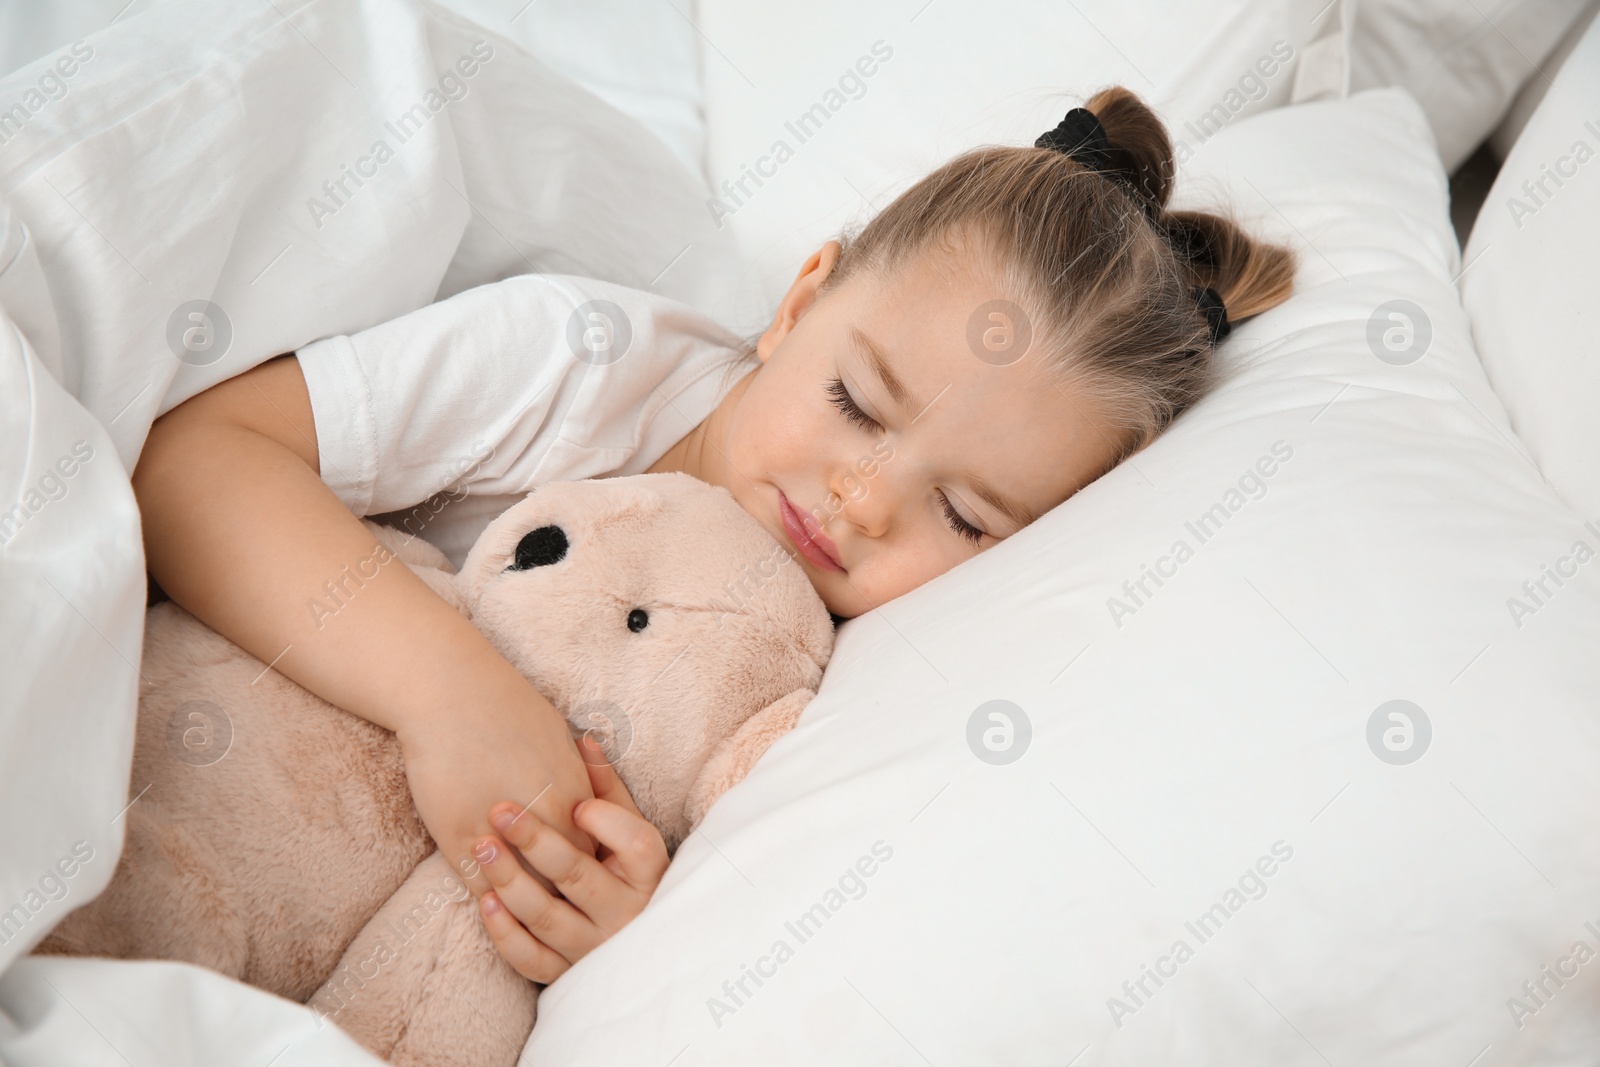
(1138, 149)
(1250, 275)
(1213, 251)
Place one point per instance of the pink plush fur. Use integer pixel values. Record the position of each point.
(274, 837)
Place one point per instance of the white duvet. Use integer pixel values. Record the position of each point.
(309, 169)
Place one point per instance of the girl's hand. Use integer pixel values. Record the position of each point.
(459, 764)
(540, 934)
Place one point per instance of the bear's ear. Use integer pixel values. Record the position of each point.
(445, 585)
(732, 759)
(425, 561)
(408, 548)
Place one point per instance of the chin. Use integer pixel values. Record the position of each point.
(841, 612)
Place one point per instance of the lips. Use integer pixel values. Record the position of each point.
(807, 536)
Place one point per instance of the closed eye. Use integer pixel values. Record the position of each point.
(958, 524)
(841, 399)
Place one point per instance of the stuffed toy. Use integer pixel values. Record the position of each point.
(272, 836)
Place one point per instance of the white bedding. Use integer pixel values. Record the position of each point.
(818, 114)
(638, 57)
(185, 160)
(1005, 905)
(1266, 700)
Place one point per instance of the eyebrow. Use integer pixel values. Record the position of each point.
(875, 358)
(879, 362)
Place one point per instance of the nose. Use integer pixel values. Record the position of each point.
(867, 504)
(540, 548)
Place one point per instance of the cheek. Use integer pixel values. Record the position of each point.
(938, 550)
(892, 570)
(781, 427)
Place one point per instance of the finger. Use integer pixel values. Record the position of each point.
(638, 854)
(553, 921)
(607, 900)
(603, 777)
(468, 868)
(534, 961)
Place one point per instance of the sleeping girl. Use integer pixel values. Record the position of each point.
(1010, 328)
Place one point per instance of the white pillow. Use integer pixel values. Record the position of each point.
(1219, 744)
(1532, 93)
(1464, 62)
(894, 92)
(1531, 260)
(639, 58)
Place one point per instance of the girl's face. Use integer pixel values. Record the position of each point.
(897, 489)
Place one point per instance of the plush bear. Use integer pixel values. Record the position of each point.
(272, 836)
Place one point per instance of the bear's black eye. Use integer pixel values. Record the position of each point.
(638, 619)
(540, 548)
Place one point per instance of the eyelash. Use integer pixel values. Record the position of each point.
(846, 403)
(958, 524)
(840, 397)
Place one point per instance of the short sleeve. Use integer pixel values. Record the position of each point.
(535, 378)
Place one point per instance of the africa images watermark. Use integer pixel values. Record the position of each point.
(735, 191)
(1251, 885)
(850, 885)
(1252, 85)
(53, 887)
(999, 732)
(342, 589)
(53, 485)
(352, 976)
(1399, 732)
(52, 87)
(742, 589)
(452, 88)
(199, 733)
(1252, 485)
(1537, 592)
(1539, 991)
(1536, 192)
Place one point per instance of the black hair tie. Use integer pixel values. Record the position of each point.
(1216, 314)
(1190, 242)
(1080, 136)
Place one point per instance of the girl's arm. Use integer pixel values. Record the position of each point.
(240, 531)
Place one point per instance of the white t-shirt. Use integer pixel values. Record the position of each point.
(454, 412)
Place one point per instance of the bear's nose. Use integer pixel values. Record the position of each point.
(540, 548)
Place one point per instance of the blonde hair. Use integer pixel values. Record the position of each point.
(1103, 271)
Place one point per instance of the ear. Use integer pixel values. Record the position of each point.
(732, 759)
(801, 295)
